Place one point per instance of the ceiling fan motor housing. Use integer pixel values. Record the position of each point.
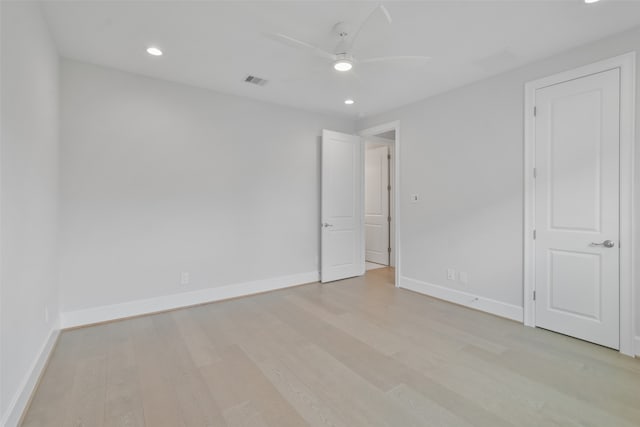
(344, 57)
(341, 30)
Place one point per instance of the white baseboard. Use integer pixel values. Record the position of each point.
(488, 305)
(21, 399)
(637, 346)
(105, 313)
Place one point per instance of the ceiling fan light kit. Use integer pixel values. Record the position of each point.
(343, 59)
(343, 62)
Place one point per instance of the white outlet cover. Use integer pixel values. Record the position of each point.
(451, 274)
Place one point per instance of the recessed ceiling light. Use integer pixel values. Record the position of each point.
(154, 51)
(349, 101)
(591, 1)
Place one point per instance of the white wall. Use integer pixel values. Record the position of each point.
(158, 178)
(462, 152)
(28, 195)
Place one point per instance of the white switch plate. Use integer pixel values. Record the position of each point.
(464, 278)
(414, 198)
(184, 278)
(451, 274)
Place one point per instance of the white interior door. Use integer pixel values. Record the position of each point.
(341, 207)
(577, 144)
(376, 211)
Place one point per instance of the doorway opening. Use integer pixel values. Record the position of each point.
(342, 199)
(378, 200)
(381, 202)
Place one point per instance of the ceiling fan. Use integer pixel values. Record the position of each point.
(343, 58)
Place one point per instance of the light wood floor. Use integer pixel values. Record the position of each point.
(352, 353)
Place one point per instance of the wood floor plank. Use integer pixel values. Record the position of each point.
(123, 402)
(195, 404)
(244, 415)
(383, 341)
(425, 410)
(50, 403)
(345, 390)
(382, 371)
(311, 405)
(201, 348)
(575, 389)
(88, 394)
(159, 398)
(352, 353)
(245, 384)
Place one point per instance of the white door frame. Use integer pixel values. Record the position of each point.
(372, 131)
(626, 64)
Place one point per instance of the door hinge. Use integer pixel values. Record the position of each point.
(388, 156)
(534, 295)
(535, 173)
(388, 219)
(388, 188)
(534, 234)
(535, 111)
(389, 250)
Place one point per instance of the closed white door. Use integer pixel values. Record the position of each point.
(577, 208)
(341, 207)
(376, 210)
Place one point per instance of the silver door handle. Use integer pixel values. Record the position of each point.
(606, 244)
(326, 224)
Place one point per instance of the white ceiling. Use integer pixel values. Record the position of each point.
(217, 44)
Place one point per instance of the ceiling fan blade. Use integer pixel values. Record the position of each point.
(394, 58)
(368, 18)
(386, 13)
(290, 41)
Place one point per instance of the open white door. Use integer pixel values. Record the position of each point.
(342, 253)
(377, 217)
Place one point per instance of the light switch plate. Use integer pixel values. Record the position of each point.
(184, 278)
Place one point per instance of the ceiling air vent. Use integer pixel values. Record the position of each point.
(255, 80)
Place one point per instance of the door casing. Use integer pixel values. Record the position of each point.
(626, 64)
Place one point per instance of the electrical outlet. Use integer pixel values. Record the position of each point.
(451, 274)
(414, 198)
(184, 278)
(464, 278)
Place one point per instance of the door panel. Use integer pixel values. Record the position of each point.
(377, 204)
(565, 268)
(577, 206)
(341, 207)
(574, 161)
